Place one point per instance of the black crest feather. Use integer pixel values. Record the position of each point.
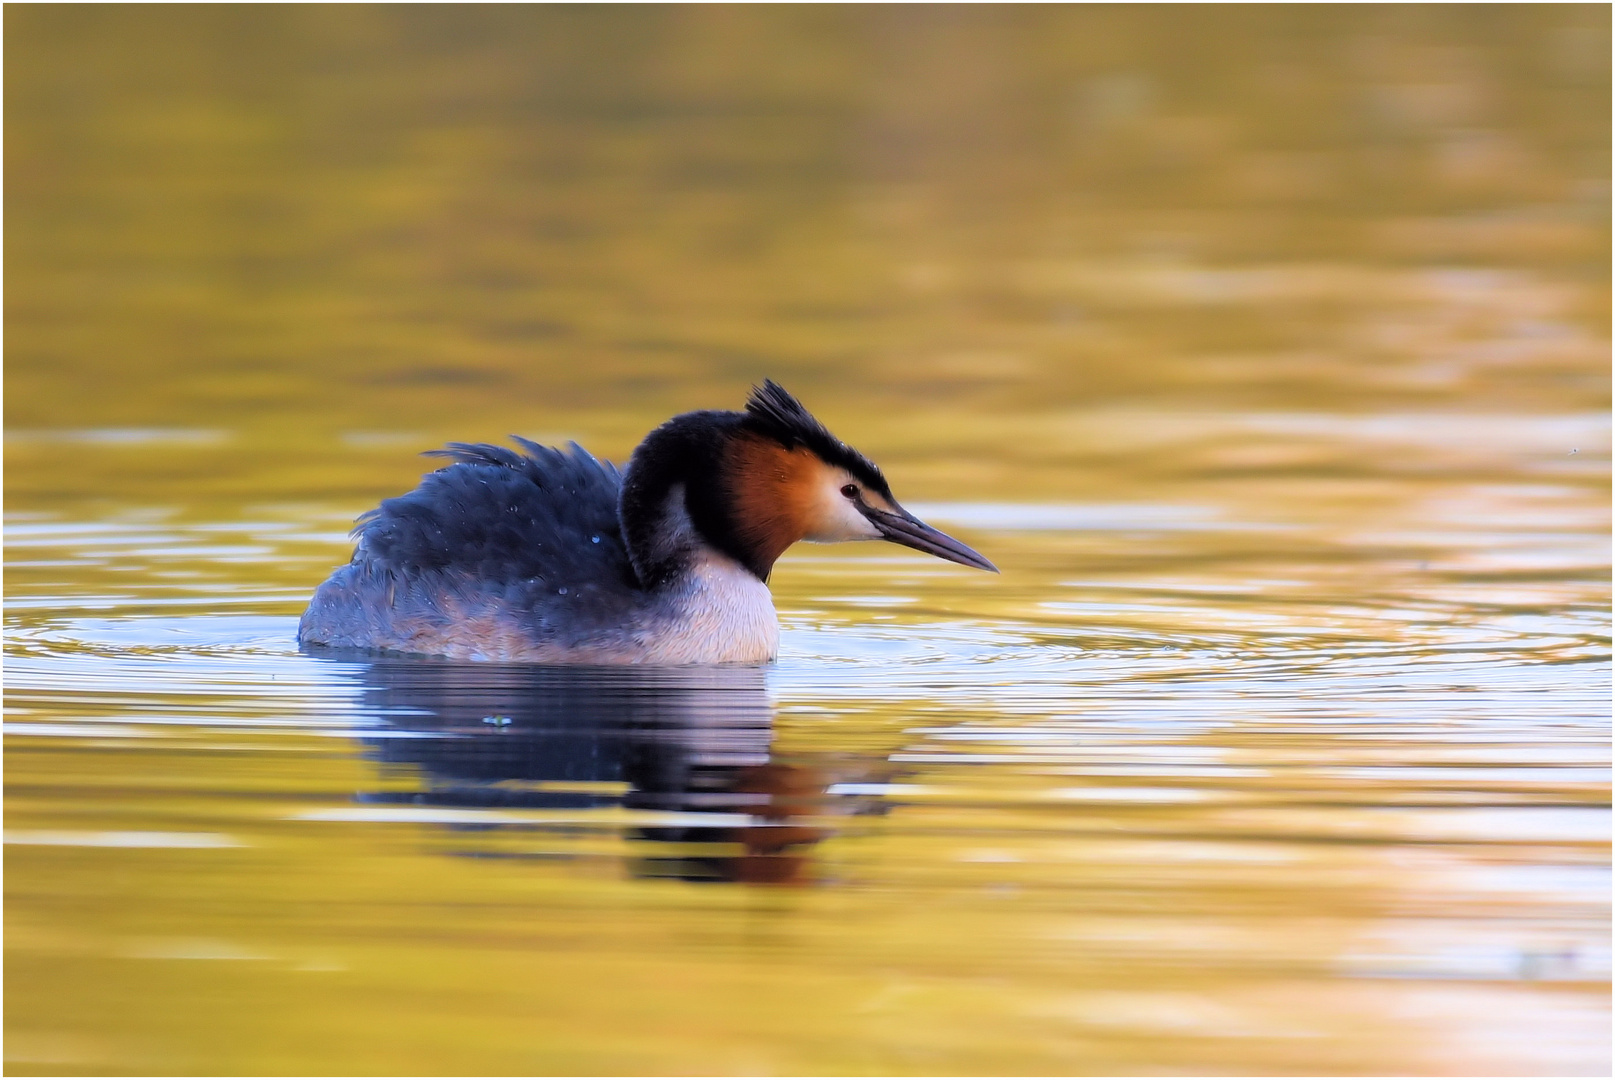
(774, 412)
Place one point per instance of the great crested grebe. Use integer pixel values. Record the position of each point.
(552, 556)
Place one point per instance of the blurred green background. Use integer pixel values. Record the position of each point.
(294, 222)
(1281, 745)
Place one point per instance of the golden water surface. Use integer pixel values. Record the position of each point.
(1264, 348)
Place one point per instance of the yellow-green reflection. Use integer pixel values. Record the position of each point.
(1265, 349)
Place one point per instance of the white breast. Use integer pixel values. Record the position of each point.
(724, 616)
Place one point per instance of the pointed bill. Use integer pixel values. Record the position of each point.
(908, 530)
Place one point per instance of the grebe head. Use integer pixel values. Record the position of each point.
(752, 484)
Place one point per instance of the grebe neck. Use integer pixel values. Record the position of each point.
(674, 509)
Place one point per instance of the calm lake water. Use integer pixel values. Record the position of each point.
(1265, 349)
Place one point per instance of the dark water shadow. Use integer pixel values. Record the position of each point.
(691, 746)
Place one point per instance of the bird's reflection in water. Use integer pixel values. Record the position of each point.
(689, 746)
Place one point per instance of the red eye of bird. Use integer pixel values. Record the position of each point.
(850, 491)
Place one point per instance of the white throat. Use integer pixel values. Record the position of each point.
(723, 615)
(718, 612)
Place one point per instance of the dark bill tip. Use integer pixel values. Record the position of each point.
(914, 533)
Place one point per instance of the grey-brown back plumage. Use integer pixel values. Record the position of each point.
(534, 535)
